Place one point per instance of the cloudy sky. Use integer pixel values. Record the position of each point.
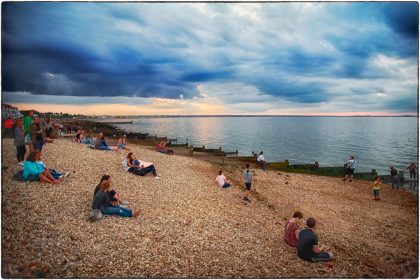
(211, 58)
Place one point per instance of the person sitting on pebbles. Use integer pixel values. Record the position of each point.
(54, 173)
(122, 143)
(221, 180)
(162, 148)
(102, 202)
(102, 145)
(308, 248)
(292, 228)
(135, 166)
(114, 196)
(32, 171)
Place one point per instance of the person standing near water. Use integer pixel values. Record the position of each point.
(261, 160)
(351, 165)
(248, 177)
(412, 168)
(395, 178)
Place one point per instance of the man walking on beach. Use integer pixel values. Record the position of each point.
(308, 248)
(351, 165)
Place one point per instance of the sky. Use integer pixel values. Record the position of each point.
(285, 58)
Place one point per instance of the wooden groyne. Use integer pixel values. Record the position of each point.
(217, 155)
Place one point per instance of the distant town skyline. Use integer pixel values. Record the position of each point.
(290, 58)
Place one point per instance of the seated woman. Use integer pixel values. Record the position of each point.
(291, 230)
(113, 195)
(161, 148)
(102, 145)
(135, 166)
(54, 173)
(78, 135)
(32, 171)
(102, 201)
(122, 143)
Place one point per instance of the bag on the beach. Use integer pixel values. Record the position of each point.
(19, 176)
(95, 215)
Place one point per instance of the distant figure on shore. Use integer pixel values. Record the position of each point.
(292, 228)
(135, 166)
(27, 121)
(79, 136)
(102, 202)
(37, 134)
(54, 173)
(248, 180)
(350, 166)
(19, 141)
(162, 148)
(261, 160)
(412, 169)
(376, 187)
(122, 143)
(308, 248)
(394, 177)
(221, 180)
(32, 171)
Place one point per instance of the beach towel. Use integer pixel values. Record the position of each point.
(19, 176)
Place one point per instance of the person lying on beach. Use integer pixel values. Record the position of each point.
(221, 180)
(54, 173)
(122, 143)
(308, 248)
(32, 171)
(261, 160)
(102, 202)
(114, 196)
(291, 229)
(135, 166)
(161, 148)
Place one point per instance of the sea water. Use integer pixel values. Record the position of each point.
(376, 142)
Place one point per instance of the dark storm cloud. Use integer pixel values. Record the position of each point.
(165, 50)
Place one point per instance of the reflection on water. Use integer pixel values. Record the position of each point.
(377, 142)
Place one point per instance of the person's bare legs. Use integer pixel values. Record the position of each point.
(136, 213)
(44, 178)
(47, 173)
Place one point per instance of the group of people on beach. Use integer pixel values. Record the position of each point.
(34, 132)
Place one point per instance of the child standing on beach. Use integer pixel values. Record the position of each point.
(248, 177)
(376, 187)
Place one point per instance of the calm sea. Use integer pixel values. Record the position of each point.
(376, 142)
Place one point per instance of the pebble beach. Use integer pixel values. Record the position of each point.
(190, 228)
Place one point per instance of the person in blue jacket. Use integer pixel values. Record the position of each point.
(33, 171)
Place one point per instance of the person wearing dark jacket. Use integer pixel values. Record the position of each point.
(103, 202)
(37, 132)
(19, 141)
